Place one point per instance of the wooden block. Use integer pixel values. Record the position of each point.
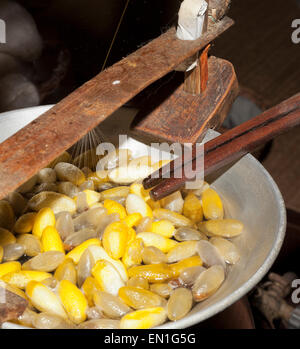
(176, 116)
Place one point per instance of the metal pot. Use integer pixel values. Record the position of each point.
(249, 194)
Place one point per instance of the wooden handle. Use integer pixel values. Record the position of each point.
(233, 144)
(195, 81)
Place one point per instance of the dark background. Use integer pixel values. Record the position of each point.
(86, 28)
(259, 45)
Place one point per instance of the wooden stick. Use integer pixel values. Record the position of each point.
(228, 153)
(230, 149)
(192, 80)
(195, 81)
(204, 68)
(205, 24)
(285, 107)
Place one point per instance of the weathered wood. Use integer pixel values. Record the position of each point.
(235, 143)
(204, 69)
(177, 116)
(205, 24)
(32, 148)
(192, 80)
(195, 81)
(217, 9)
(11, 305)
